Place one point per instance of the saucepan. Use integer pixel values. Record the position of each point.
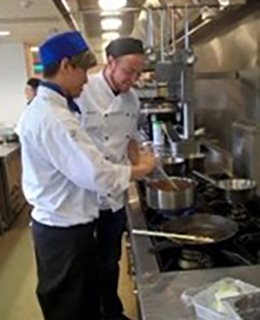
(195, 161)
(172, 166)
(205, 229)
(235, 190)
(160, 194)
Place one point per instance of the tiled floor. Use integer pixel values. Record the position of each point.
(18, 278)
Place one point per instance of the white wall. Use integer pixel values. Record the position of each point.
(12, 82)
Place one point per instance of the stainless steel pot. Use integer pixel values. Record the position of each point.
(238, 190)
(195, 161)
(160, 194)
(172, 166)
(10, 137)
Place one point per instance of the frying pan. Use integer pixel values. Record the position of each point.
(206, 225)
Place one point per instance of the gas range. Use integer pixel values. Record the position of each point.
(241, 250)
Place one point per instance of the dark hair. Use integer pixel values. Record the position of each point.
(83, 60)
(51, 70)
(123, 46)
(33, 82)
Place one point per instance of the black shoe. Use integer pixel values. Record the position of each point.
(119, 317)
(123, 317)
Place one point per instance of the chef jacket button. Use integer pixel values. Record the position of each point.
(109, 194)
(106, 137)
(106, 157)
(127, 114)
(106, 115)
(127, 136)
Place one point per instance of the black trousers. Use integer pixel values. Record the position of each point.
(67, 270)
(109, 230)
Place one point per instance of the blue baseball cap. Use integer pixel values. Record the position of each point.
(66, 45)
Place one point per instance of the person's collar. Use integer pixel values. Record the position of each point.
(110, 83)
(56, 88)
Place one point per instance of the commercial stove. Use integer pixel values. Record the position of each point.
(165, 270)
(242, 249)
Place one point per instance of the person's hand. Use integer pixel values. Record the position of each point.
(147, 159)
(145, 166)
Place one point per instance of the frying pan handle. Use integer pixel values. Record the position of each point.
(250, 237)
(204, 177)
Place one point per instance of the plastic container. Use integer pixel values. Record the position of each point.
(209, 304)
(158, 136)
(245, 306)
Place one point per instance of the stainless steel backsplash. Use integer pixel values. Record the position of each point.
(219, 103)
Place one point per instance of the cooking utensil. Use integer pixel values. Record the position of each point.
(172, 166)
(166, 177)
(173, 236)
(170, 132)
(236, 190)
(160, 194)
(203, 225)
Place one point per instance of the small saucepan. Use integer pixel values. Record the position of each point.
(172, 166)
(160, 194)
(195, 161)
(235, 190)
(238, 190)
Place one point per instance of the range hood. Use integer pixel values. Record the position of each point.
(163, 21)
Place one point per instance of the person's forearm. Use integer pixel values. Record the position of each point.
(133, 152)
(139, 171)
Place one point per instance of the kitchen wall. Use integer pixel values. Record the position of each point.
(12, 82)
(219, 103)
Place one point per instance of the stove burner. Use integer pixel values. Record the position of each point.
(210, 192)
(192, 259)
(238, 212)
(173, 214)
(234, 211)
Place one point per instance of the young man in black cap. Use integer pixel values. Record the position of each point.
(62, 174)
(110, 109)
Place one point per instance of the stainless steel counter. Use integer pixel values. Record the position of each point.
(12, 200)
(159, 293)
(7, 149)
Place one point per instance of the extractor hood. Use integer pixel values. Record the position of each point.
(205, 19)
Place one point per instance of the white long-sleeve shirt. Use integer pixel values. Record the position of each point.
(62, 169)
(110, 120)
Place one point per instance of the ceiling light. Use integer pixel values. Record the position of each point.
(4, 33)
(110, 35)
(111, 4)
(111, 23)
(34, 49)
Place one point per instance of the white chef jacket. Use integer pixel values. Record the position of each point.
(62, 169)
(110, 120)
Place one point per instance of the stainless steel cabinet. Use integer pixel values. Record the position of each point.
(12, 200)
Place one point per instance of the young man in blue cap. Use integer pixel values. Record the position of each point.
(110, 110)
(62, 174)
